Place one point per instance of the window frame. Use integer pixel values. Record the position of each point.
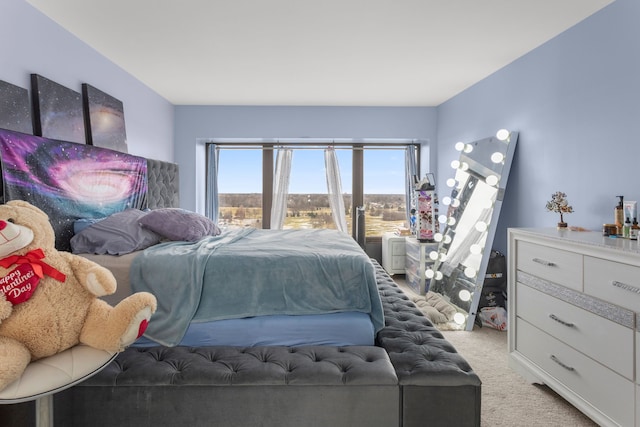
(357, 147)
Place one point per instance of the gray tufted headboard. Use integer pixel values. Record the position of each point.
(163, 184)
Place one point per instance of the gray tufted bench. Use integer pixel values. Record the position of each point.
(437, 385)
(413, 377)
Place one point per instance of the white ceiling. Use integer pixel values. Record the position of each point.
(320, 52)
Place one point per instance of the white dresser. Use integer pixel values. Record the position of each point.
(574, 299)
(393, 253)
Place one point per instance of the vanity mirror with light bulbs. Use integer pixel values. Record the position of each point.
(469, 224)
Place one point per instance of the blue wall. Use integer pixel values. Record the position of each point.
(32, 43)
(196, 122)
(576, 103)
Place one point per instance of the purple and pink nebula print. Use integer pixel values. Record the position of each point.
(70, 180)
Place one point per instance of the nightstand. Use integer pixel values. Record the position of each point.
(393, 253)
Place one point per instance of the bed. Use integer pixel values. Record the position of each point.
(398, 370)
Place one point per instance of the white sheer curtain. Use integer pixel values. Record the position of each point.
(281, 188)
(212, 202)
(334, 189)
(410, 171)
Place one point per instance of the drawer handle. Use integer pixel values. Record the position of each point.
(625, 287)
(562, 322)
(568, 368)
(543, 262)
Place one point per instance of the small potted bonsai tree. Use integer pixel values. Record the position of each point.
(559, 204)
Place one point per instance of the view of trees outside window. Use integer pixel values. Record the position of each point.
(240, 187)
(308, 201)
(384, 191)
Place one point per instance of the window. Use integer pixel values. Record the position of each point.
(308, 202)
(379, 170)
(384, 191)
(240, 187)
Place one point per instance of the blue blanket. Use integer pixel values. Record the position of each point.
(253, 272)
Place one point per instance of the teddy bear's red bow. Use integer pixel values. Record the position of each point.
(39, 267)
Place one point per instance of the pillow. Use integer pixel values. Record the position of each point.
(82, 223)
(179, 224)
(117, 234)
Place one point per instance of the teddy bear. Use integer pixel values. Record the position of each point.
(49, 298)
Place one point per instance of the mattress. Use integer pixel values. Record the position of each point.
(336, 329)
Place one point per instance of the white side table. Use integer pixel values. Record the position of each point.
(393, 253)
(50, 375)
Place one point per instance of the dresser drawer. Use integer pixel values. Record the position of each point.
(411, 265)
(612, 394)
(612, 281)
(397, 247)
(415, 283)
(555, 265)
(397, 262)
(591, 334)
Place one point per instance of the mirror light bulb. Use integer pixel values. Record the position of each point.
(433, 255)
(464, 295)
(502, 134)
(455, 203)
(475, 249)
(442, 218)
(437, 237)
(459, 318)
(470, 272)
(429, 273)
(464, 166)
(451, 221)
(481, 226)
(447, 239)
(497, 157)
(486, 203)
(455, 164)
(451, 182)
(468, 148)
(492, 180)
(459, 146)
(439, 275)
(443, 257)
(446, 200)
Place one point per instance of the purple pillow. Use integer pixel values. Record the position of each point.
(179, 224)
(117, 234)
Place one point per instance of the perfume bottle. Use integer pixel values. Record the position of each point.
(635, 230)
(626, 228)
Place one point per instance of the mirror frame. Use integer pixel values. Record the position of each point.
(448, 278)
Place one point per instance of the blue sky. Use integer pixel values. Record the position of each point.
(241, 171)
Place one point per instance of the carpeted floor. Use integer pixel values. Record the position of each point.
(508, 400)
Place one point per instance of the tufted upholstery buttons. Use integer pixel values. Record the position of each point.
(163, 186)
(419, 352)
(312, 365)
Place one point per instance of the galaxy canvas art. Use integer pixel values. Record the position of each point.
(104, 119)
(15, 110)
(57, 111)
(70, 181)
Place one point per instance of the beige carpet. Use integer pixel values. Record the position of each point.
(507, 399)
